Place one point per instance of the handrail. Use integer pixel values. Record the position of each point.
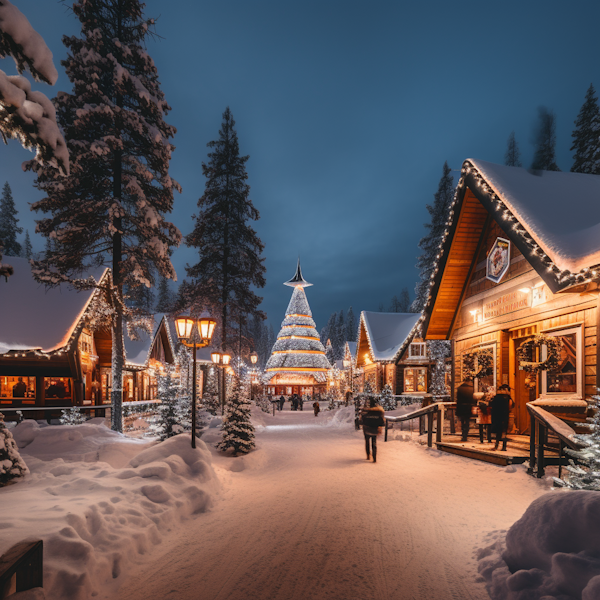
(436, 408)
(432, 408)
(542, 422)
(22, 567)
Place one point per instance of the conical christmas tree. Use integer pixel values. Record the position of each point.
(238, 431)
(298, 356)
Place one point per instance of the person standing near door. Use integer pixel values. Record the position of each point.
(501, 405)
(464, 407)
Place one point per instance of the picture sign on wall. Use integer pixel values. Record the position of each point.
(498, 260)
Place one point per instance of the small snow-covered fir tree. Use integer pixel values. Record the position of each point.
(8, 223)
(387, 398)
(438, 351)
(168, 411)
(237, 430)
(330, 352)
(351, 326)
(210, 398)
(430, 243)
(72, 416)
(12, 465)
(27, 250)
(586, 136)
(544, 158)
(512, 158)
(586, 475)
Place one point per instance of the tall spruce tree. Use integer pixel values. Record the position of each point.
(544, 158)
(586, 136)
(164, 301)
(404, 300)
(351, 326)
(8, 223)
(340, 336)
(512, 158)
(430, 243)
(395, 304)
(27, 249)
(229, 249)
(111, 209)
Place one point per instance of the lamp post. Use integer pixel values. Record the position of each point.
(221, 359)
(187, 335)
(253, 360)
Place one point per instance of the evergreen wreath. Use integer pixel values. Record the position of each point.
(485, 364)
(526, 354)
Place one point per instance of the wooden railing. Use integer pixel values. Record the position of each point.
(543, 422)
(22, 568)
(436, 409)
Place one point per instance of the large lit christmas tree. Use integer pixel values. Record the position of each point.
(298, 356)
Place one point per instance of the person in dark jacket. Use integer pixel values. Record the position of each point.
(464, 407)
(316, 408)
(301, 402)
(372, 421)
(500, 408)
(281, 401)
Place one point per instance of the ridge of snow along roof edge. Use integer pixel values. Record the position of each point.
(387, 333)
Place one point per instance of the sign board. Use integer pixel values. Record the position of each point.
(498, 260)
(507, 303)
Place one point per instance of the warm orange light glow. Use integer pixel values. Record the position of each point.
(298, 337)
(319, 369)
(225, 358)
(295, 315)
(206, 327)
(184, 326)
(253, 358)
(298, 352)
(216, 357)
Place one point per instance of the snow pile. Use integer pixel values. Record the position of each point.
(100, 501)
(552, 552)
(342, 418)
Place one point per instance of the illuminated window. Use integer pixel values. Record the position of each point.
(415, 380)
(85, 342)
(417, 350)
(566, 378)
(57, 387)
(17, 387)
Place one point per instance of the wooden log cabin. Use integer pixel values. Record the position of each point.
(49, 355)
(518, 265)
(389, 352)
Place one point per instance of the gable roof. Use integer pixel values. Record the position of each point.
(553, 218)
(388, 333)
(138, 351)
(351, 348)
(33, 317)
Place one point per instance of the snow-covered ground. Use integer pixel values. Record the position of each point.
(305, 516)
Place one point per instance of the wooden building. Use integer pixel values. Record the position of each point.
(516, 286)
(389, 352)
(49, 355)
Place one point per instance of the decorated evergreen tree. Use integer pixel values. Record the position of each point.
(72, 416)
(512, 158)
(27, 250)
(586, 475)
(25, 114)
(210, 398)
(164, 302)
(168, 412)
(438, 351)
(330, 353)
(544, 158)
(351, 326)
(230, 262)
(8, 223)
(12, 465)
(237, 431)
(586, 136)
(430, 243)
(387, 399)
(111, 209)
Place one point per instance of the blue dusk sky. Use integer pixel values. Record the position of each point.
(348, 111)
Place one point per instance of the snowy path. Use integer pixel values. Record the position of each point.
(310, 518)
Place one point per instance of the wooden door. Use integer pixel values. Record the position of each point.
(523, 393)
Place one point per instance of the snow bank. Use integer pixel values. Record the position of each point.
(552, 552)
(101, 501)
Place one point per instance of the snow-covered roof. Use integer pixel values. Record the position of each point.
(352, 348)
(561, 211)
(138, 351)
(387, 333)
(35, 317)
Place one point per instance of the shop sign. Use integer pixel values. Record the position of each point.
(498, 260)
(505, 304)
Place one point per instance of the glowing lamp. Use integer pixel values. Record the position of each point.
(184, 326)
(216, 357)
(253, 358)
(225, 358)
(206, 327)
(346, 363)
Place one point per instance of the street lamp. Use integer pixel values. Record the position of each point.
(221, 359)
(253, 360)
(187, 335)
(348, 363)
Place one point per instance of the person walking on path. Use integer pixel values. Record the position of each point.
(301, 402)
(500, 408)
(464, 407)
(316, 408)
(484, 415)
(281, 402)
(372, 421)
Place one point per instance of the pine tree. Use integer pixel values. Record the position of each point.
(586, 475)
(512, 158)
(72, 416)
(330, 352)
(381, 308)
(404, 300)
(6, 270)
(27, 251)
(340, 336)
(351, 326)
(168, 413)
(210, 397)
(387, 398)
(8, 223)
(25, 114)
(111, 209)
(12, 465)
(544, 158)
(164, 302)
(586, 136)
(438, 351)
(237, 431)
(229, 249)
(272, 340)
(395, 305)
(430, 243)
(328, 332)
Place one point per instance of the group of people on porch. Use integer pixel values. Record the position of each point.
(493, 412)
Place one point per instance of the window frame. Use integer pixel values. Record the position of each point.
(414, 369)
(579, 362)
(495, 366)
(423, 347)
